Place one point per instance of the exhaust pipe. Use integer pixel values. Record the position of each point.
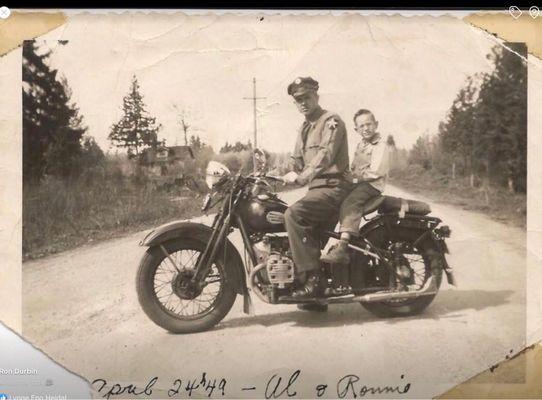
(252, 284)
(428, 289)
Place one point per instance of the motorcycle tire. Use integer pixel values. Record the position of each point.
(165, 318)
(433, 261)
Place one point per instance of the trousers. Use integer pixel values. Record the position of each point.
(352, 208)
(305, 220)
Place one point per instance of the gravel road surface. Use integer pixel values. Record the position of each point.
(80, 307)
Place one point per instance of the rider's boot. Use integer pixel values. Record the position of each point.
(338, 255)
(311, 288)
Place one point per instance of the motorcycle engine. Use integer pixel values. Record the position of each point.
(275, 253)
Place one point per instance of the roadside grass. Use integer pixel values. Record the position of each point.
(59, 215)
(497, 203)
(109, 200)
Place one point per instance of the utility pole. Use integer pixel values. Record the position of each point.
(254, 98)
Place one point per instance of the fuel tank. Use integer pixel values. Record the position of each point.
(263, 213)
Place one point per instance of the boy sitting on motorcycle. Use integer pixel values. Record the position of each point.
(369, 173)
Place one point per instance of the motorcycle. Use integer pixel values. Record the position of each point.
(191, 273)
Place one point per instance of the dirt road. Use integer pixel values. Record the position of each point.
(80, 307)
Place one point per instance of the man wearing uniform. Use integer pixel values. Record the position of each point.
(321, 161)
(369, 171)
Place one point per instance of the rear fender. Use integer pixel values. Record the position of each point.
(426, 225)
(181, 229)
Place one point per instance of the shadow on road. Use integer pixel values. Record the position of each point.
(448, 304)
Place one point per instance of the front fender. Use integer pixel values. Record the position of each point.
(173, 230)
(179, 229)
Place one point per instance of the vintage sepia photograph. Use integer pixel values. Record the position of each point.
(274, 206)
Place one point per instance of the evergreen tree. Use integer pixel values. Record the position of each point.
(196, 143)
(486, 127)
(236, 148)
(52, 126)
(390, 141)
(92, 153)
(457, 134)
(136, 129)
(226, 148)
(421, 152)
(501, 118)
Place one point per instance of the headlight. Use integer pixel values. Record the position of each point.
(212, 180)
(214, 172)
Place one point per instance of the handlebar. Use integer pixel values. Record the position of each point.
(267, 177)
(276, 178)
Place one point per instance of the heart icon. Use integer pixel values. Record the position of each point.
(515, 12)
(534, 11)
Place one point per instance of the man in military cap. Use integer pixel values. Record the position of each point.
(321, 161)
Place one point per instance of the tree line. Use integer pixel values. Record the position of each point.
(484, 135)
(55, 138)
(56, 141)
(54, 133)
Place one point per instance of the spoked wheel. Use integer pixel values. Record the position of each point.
(168, 294)
(420, 263)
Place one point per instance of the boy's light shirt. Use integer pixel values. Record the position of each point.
(371, 163)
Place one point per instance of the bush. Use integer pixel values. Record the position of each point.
(492, 200)
(236, 161)
(100, 203)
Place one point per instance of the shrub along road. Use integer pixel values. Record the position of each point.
(80, 307)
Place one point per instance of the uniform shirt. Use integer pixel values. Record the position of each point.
(371, 162)
(321, 147)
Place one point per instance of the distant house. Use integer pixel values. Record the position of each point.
(165, 160)
(164, 156)
(176, 153)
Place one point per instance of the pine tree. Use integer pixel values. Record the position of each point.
(502, 118)
(196, 143)
(457, 134)
(52, 126)
(421, 152)
(136, 129)
(486, 127)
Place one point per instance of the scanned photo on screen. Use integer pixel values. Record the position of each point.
(248, 207)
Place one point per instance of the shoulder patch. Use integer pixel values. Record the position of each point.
(332, 123)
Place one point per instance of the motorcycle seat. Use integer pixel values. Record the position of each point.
(390, 204)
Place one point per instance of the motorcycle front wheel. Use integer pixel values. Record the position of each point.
(168, 297)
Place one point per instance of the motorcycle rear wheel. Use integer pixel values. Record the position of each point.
(166, 316)
(432, 260)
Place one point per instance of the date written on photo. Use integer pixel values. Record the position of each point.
(277, 386)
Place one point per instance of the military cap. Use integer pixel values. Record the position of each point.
(302, 86)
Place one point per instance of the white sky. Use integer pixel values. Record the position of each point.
(407, 70)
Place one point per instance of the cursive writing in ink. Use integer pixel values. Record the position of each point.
(349, 385)
(117, 389)
(321, 389)
(277, 381)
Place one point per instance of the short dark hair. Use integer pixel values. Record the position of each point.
(363, 111)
